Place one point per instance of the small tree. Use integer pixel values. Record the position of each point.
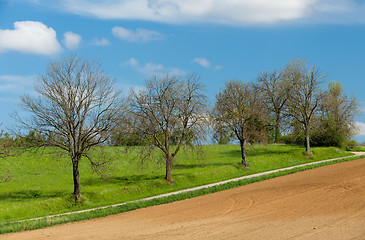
(5, 151)
(75, 110)
(276, 94)
(306, 95)
(336, 125)
(240, 108)
(170, 110)
(5, 144)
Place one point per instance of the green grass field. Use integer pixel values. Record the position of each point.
(42, 183)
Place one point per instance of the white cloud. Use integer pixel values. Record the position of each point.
(218, 67)
(339, 11)
(15, 83)
(361, 127)
(150, 68)
(203, 62)
(131, 62)
(126, 88)
(100, 42)
(230, 12)
(71, 40)
(206, 63)
(233, 12)
(29, 37)
(139, 35)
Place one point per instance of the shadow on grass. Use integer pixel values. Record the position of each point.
(260, 152)
(30, 194)
(191, 166)
(125, 180)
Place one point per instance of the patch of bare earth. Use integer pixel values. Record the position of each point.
(323, 203)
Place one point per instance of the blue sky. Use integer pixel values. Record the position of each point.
(219, 40)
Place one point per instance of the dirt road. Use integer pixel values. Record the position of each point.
(323, 203)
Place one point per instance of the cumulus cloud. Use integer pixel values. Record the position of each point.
(150, 68)
(139, 35)
(29, 37)
(131, 62)
(202, 61)
(206, 63)
(100, 42)
(361, 127)
(71, 40)
(233, 12)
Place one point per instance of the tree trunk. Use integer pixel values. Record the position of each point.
(243, 154)
(277, 129)
(77, 190)
(307, 142)
(168, 176)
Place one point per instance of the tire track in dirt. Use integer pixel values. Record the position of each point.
(322, 203)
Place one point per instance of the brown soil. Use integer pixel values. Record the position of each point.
(323, 203)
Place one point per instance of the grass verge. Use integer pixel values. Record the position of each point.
(7, 227)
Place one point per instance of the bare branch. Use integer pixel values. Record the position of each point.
(171, 111)
(76, 104)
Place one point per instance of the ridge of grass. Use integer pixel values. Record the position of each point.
(190, 171)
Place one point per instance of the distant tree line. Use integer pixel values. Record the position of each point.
(78, 108)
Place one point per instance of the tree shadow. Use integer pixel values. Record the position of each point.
(123, 180)
(30, 194)
(191, 166)
(260, 152)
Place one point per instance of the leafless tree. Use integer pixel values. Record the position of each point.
(76, 108)
(240, 108)
(276, 94)
(306, 94)
(169, 111)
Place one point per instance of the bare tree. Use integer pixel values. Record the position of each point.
(306, 94)
(170, 110)
(276, 93)
(240, 108)
(76, 108)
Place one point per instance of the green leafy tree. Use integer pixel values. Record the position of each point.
(6, 149)
(336, 125)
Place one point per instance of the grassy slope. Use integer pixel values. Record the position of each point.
(42, 183)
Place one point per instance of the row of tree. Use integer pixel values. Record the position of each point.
(77, 108)
(290, 102)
